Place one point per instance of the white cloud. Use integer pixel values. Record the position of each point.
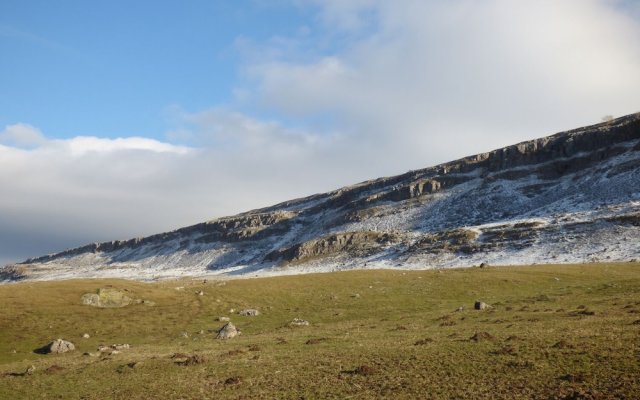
(437, 80)
(21, 135)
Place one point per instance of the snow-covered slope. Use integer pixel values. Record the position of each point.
(570, 197)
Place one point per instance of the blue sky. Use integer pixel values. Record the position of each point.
(123, 119)
(112, 68)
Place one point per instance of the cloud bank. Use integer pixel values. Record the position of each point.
(373, 88)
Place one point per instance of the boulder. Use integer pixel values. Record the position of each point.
(58, 346)
(481, 305)
(106, 298)
(228, 331)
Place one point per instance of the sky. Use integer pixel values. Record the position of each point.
(121, 119)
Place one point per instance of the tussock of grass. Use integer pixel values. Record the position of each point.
(552, 332)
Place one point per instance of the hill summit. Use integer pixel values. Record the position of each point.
(570, 197)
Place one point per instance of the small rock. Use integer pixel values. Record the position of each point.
(228, 331)
(299, 322)
(86, 336)
(232, 310)
(200, 293)
(120, 346)
(461, 308)
(30, 370)
(90, 354)
(223, 319)
(249, 312)
(115, 352)
(185, 335)
(102, 348)
(356, 296)
(192, 360)
(364, 370)
(201, 332)
(234, 380)
(480, 305)
(481, 336)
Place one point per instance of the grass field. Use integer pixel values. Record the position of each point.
(554, 332)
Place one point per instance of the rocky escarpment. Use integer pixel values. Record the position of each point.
(352, 243)
(569, 197)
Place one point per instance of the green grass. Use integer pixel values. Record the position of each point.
(557, 332)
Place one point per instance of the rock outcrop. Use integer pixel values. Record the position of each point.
(569, 197)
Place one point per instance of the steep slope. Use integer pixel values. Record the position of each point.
(570, 197)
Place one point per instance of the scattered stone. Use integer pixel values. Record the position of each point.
(232, 310)
(200, 293)
(363, 370)
(228, 331)
(481, 336)
(30, 370)
(185, 335)
(13, 351)
(575, 378)
(86, 336)
(234, 380)
(115, 352)
(299, 322)
(120, 346)
(481, 305)
(201, 332)
(145, 302)
(57, 346)
(106, 298)
(91, 354)
(102, 348)
(563, 344)
(192, 360)
(459, 309)
(356, 295)
(223, 319)
(315, 341)
(54, 369)
(249, 312)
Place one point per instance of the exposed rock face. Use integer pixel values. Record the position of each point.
(343, 242)
(570, 197)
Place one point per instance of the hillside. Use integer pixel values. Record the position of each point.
(568, 198)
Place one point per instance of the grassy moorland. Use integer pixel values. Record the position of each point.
(554, 332)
